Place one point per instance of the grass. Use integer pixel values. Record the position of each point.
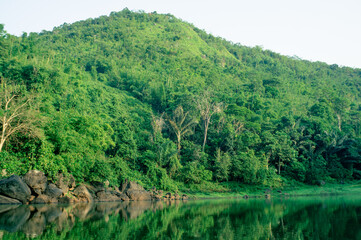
(234, 190)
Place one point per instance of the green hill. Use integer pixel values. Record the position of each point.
(148, 97)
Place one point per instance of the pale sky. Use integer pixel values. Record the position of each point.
(316, 30)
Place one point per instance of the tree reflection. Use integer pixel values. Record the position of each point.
(301, 218)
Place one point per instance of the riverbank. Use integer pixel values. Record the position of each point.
(233, 190)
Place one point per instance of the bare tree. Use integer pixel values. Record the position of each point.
(157, 125)
(207, 109)
(181, 124)
(15, 113)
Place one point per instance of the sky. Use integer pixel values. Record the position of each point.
(317, 30)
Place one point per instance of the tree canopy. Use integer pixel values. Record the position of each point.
(118, 95)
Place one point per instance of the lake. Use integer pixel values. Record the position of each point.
(275, 218)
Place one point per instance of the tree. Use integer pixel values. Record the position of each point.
(181, 124)
(15, 113)
(222, 164)
(207, 108)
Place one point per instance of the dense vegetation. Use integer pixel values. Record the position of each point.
(150, 98)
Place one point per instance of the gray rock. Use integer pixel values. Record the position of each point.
(107, 196)
(135, 192)
(53, 191)
(65, 183)
(14, 187)
(42, 199)
(36, 180)
(6, 200)
(82, 193)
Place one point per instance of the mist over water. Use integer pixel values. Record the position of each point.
(293, 218)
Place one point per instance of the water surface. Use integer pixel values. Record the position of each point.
(293, 218)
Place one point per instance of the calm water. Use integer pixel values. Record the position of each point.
(293, 218)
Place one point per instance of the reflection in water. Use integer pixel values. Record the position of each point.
(299, 218)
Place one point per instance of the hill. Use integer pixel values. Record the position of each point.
(151, 98)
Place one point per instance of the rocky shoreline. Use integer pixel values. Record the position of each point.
(34, 188)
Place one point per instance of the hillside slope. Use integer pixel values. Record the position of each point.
(148, 97)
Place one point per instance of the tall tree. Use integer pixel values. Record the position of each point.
(207, 108)
(181, 124)
(15, 113)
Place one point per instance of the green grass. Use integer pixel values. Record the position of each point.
(233, 190)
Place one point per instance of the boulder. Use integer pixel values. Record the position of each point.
(107, 196)
(96, 187)
(53, 191)
(129, 185)
(65, 183)
(36, 180)
(176, 196)
(82, 193)
(124, 197)
(42, 199)
(67, 199)
(6, 200)
(184, 197)
(157, 195)
(320, 182)
(14, 187)
(136, 195)
(134, 191)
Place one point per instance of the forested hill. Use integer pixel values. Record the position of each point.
(151, 98)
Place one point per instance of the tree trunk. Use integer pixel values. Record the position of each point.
(206, 125)
(178, 142)
(1, 144)
(279, 167)
(2, 140)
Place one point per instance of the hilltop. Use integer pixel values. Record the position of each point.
(148, 97)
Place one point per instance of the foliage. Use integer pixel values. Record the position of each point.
(150, 98)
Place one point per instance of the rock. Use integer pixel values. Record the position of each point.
(246, 196)
(320, 182)
(279, 191)
(3, 173)
(157, 195)
(36, 180)
(129, 185)
(66, 199)
(267, 196)
(136, 195)
(32, 197)
(184, 197)
(107, 196)
(53, 191)
(42, 199)
(6, 200)
(267, 191)
(96, 187)
(82, 193)
(65, 183)
(176, 196)
(168, 195)
(124, 197)
(134, 191)
(14, 187)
